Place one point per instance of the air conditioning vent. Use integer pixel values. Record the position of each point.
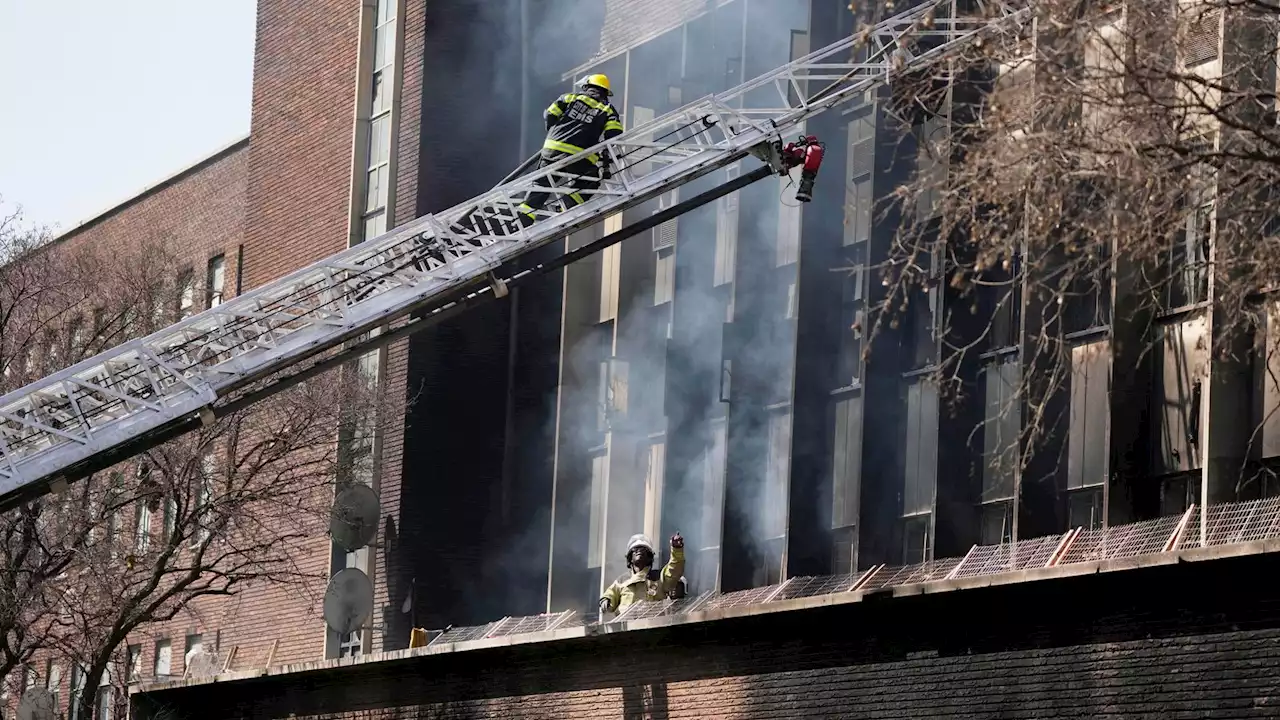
(664, 236)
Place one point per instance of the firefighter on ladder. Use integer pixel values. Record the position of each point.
(645, 583)
(575, 122)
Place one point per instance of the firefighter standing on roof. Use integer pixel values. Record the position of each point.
(644, 583)
(575, 122)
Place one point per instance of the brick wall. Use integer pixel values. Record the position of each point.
(1193, 640)
(299, 176)
(302, 129)
(200, 212)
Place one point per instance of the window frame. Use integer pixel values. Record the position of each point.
(215, 280)
(165, 645)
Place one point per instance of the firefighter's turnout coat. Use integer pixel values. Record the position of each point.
(575, 122)
(645, 586)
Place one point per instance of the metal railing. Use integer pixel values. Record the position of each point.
(1226, 524)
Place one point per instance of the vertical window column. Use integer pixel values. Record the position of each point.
(373, 197)
(596, 519)
(777, 486)
(1002, 429)
(921, 469)
(378, 178)
(78, 681)
(846, 469)
(1087, 434)
(706, 565)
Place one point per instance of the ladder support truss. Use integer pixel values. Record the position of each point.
(141, 387)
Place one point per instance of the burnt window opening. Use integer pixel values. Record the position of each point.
(844, 551)
(1179, 492)
(920, 449)
(846, 465)
(859, 205)
(924, 298)
(917, 540)
(1002, 429)
(1006, 315)
(1088, 296)
(1084, 508)
(932, 161)
(1191, 244)
(1189, 260)
(852, 316)
(1181, 359)
(706, 565)
(727, 215)
(997, 523)
(599, 478)
(1087, 460)
(777, 475)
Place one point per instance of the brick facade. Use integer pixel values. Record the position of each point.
(304, 79)
(297, 211)
(1193, 640)
(200, 211)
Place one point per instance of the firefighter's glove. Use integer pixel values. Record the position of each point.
(604, 606)
(677, 541)
(606, 173)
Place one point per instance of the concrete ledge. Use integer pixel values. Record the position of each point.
(1195, 555)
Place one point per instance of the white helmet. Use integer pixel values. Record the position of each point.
(636, 541)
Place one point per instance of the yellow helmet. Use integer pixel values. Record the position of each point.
(598, 80)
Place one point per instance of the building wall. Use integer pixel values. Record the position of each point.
(1181, 640)
(199, 212)
(300, 154)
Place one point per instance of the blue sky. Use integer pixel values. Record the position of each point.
(101, 99)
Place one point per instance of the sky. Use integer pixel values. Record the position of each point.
(100, 99)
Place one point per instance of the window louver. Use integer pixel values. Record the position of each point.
(1201, 41)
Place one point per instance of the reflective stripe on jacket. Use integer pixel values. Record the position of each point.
(637, 587)
(577, 121)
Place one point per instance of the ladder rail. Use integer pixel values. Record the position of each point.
(147, 383)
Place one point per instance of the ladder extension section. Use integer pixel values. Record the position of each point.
(143, 386)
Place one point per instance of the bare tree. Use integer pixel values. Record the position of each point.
(40, 288)
(1103, 152)
(237, 503)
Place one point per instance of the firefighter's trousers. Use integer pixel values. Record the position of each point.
(585, 176)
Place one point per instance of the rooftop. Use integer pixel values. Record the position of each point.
(155, 187)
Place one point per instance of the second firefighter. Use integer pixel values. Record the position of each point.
(644, 583)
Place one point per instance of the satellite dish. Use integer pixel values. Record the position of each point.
(354, 520)
(348, 601)
(202, 664)
(37, 704)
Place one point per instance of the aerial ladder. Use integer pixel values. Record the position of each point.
(141, 393)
